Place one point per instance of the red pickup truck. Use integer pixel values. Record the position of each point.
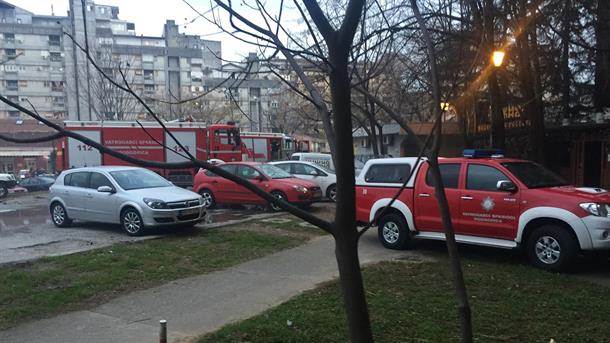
(494, 201)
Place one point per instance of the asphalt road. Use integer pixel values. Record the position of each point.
(26, 230)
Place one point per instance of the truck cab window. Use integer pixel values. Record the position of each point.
(388, 173)
(450, 173)
(484, 178)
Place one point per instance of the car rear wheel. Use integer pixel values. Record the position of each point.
(552, 248)
(331, 193)
(278, 195)
(59, 216)
(208, 198)
(3, 190)
(132, 223)
(394, 232)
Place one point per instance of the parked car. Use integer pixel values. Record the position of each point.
(6, 181)
(37, 183)
(24, 173)
(493, 201)
(323, 177)
(136, 198)
(324, 160)
(217, 190)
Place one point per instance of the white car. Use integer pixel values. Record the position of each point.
(6, 181)
(136, 198)
(323, 177)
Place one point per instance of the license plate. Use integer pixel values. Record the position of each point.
(188, 212)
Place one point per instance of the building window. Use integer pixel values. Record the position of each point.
(57, 86)
(9, 37)
(55, 56)
(18, 20)
(54, 40)
(13, 114)
(12, 85)
(149, 88)
(274, 103)
(148, 74)
(10, 52)
(23, 83)
(46, 84)
(138, 72)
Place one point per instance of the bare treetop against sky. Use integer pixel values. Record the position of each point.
(149, 17)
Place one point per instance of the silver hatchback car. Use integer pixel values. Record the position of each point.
(136, 198)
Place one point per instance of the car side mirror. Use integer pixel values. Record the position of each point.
(313, 173)
(506, 186)
(105, 189)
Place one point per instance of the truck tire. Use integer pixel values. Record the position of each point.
(3, 190)
(552, 247)
(394, 232)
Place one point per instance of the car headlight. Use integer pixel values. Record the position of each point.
(600, 210)
(300, 189)
(155, 203)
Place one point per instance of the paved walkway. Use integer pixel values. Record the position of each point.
(201, 304)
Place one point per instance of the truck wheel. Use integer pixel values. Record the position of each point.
(394, 232)
(59, 216)
(552, 248)
(3, 190)
(132, 223)
(208, 198)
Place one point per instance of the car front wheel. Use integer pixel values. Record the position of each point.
(208, 198)
(552, 248)
(280, 196)
(3, 190)
(59, 216)
(132, 223)
(394, 232)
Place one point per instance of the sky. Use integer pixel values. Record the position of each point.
(150, 15)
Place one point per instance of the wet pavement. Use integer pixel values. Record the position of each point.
(26, 230)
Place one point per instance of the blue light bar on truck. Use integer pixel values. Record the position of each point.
(474, 153)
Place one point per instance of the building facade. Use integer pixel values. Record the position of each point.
(42, 65)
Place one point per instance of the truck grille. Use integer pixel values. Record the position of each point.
(183, 204)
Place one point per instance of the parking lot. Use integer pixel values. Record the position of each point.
(26, 230)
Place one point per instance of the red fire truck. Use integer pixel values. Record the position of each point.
(218, 141)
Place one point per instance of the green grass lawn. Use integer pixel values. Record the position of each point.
(52, 285)
(414, 302)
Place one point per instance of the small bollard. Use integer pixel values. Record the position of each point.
(163, 331)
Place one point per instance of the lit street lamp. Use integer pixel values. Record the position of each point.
(497, 57)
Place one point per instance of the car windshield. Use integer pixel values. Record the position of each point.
(274, 172)
(138, 179)
(534, 175)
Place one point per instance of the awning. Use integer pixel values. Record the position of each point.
(26, 153)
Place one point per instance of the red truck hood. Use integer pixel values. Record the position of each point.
(588, 193)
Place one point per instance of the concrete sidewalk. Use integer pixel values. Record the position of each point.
(201, 304)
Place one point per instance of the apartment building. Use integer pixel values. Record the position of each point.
(41, 65)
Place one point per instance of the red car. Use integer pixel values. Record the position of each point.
(215, 189)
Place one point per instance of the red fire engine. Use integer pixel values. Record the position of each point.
(218, 141)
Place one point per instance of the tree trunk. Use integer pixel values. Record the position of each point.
(346, 234)
(601, 94)
(566, 74)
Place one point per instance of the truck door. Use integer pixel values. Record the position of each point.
(427, 213)
(486, 211)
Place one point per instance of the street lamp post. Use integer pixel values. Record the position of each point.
(497, 134)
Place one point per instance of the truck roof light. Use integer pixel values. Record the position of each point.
(474, 153)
